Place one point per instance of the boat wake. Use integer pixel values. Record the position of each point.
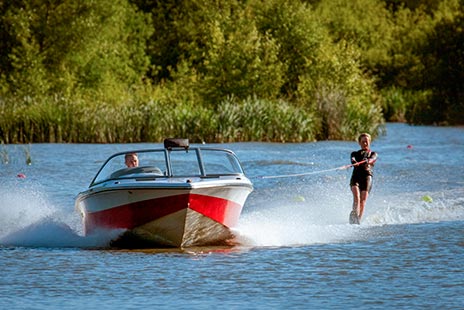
(323, 218)
(49, 233)
(418, 207)
(28, 219)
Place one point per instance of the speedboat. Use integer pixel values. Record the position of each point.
(179, 196)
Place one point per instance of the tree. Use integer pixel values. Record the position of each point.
(63, 47)
(443, 58)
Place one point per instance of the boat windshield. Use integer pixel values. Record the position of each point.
(150, 162)
(218, 162)
(200, 162)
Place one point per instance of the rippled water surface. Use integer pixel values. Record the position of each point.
(297, 250)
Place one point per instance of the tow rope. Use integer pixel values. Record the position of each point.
(309, 173)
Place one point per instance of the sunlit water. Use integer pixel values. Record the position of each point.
(297, 249)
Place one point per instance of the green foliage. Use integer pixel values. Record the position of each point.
(66, 47)
(23, 72)
(443, 58)
(240, 61)
(267, 70)
(364, 23)
(427, 62)
(217, 45)
(412, 48)
(344, 98)
(404, 68)
(298, 34)
(429, 5)
(322, 77)
(256, 119)
(396, 103)
(419, 110)
(84, 121)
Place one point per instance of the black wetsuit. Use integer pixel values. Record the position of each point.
(362, 174)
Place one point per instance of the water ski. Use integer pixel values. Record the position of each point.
(354, 218)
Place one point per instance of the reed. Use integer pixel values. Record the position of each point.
(139, 119)
(395, 104)
(27, 153)
(255, 119)
(4, 154)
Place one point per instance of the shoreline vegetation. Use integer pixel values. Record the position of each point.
(120, 71)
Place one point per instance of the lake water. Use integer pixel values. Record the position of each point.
(297, 249)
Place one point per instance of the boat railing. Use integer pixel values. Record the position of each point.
(175, 162)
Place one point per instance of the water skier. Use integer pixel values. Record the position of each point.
(363, 162)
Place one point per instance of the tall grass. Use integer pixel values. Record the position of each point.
(402, 105)
(256, 119)
(252, 119)
(4, 155)
(27, 154)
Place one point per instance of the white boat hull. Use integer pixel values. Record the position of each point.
(178, 217)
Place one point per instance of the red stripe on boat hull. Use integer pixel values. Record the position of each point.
(138, 213)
